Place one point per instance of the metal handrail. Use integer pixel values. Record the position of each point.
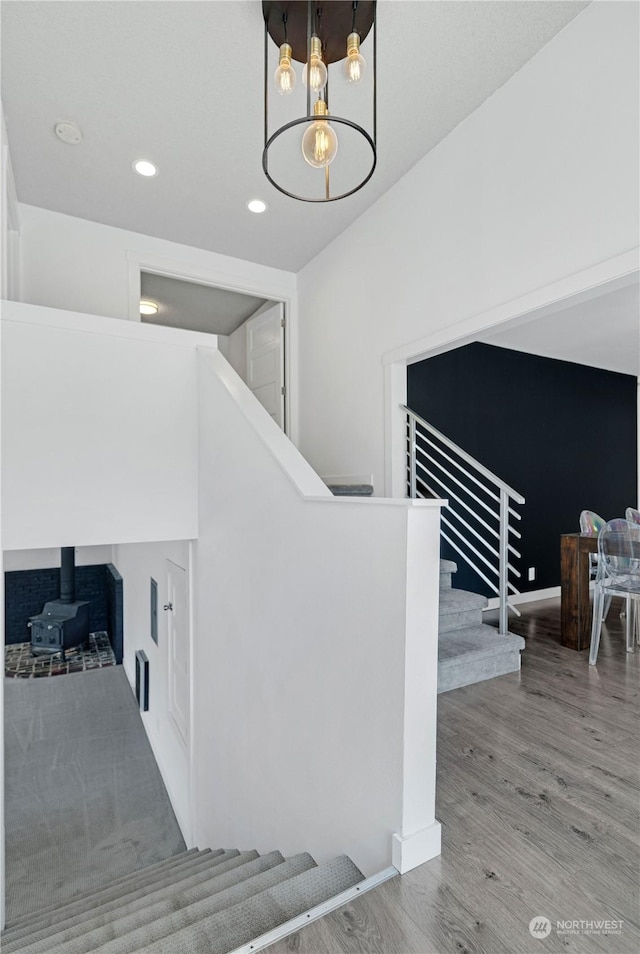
(462, 453)
(497, 505)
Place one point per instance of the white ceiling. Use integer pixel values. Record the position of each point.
(196, 307)
(180, 82)
(603, 332)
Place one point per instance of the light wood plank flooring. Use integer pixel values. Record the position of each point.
(538, 800)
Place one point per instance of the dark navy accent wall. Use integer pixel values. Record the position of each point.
(562, 434)
(26, 591)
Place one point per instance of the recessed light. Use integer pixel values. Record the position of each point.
(145, 168)
(257, 206)
(148, 307)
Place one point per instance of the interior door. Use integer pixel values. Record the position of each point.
(178, 626)
(265, 360)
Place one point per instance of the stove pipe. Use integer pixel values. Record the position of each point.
(67, 575)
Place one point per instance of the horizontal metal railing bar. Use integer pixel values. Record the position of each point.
(467, 543)
(494, 550)
(467, 457)
(515, 532)
(470, 562)
(514, 551)
(451, 494)
(455, 480)
(514, 608)
(514, 513)
(484, 487)
(514, 571)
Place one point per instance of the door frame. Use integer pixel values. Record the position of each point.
(245, 278)
(617, 272)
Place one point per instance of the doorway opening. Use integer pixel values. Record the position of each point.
(250, 330)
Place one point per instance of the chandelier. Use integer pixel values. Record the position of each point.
(322, 153)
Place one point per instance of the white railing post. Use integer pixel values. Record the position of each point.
(412, 457)
(503, 564)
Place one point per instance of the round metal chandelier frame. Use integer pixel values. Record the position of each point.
(283, 21)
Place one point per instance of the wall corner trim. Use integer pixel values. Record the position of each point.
(409, 851)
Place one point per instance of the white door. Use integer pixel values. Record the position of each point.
(177, 609)
(265, 360)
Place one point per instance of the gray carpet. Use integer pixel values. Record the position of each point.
(85, 802)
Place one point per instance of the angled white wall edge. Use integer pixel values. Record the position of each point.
(409, 851)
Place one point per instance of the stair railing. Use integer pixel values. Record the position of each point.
(478, 521)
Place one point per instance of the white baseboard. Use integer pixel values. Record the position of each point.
(409, 851)
(531, 597)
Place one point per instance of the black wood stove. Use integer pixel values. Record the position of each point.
(63, 623)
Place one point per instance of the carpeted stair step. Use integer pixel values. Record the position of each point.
(351, 490)
(474, 654)
(247, 920)
(221, 896)
(459, 609)
(148, 913)
(123, 880)
(447, 568)
(106, 901)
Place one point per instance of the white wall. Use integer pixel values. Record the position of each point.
(237, 357)
(99, 430)
(308, 611)
(137, 563)
(83, 266)
(539, 183)
(43, 559)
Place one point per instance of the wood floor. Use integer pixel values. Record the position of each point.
(538, 799)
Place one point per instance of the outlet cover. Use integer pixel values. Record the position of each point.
(532, 573)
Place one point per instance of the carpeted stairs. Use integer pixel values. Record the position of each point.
(192, 903)
(468, 650)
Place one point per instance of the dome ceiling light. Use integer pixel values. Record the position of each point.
(321, 155)
(148, 307)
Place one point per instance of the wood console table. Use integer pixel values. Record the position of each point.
(575, 612)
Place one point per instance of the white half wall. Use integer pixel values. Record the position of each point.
(539, 183)
(99, 430)
(316, 619)
(137, 564)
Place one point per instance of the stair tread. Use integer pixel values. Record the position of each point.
(448, 566)
(259, 878)
(182, 902)
(249, 919)
(150, 870)
(479, 640)
(73, 914)
(351, 490)
(460, 601)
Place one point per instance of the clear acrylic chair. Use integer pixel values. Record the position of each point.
(618, 575)
(633, 516)
(592, 522)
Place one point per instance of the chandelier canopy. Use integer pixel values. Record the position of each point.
(314, 150)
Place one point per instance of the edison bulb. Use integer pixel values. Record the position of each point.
(285, 75)
(315, 72)
(315, 76)
(319, 144)
(355, 64)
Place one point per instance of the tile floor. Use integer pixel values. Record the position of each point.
(20, 664)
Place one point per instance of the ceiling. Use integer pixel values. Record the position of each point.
(180, 83)
(196, 307)
(603, 332)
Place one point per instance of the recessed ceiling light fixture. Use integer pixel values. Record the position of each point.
(257, 206)
(145, 168)
(148, 307)
(326, 39)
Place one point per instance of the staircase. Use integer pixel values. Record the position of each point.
(192, 903)
(468, 650)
